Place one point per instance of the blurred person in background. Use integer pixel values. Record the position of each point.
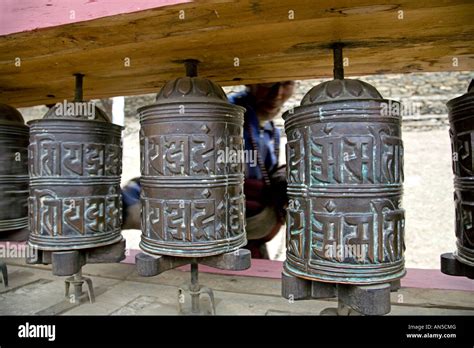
(265, 183)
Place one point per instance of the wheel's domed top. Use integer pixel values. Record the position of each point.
(11, 116)
(191, 89)
(339, 90)
(81, 111)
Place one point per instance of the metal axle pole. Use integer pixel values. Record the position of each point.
(191, 67)
(195, 308)
(338, 61)
(78, 97)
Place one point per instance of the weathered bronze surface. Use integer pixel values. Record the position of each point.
(345, 223)
(192, 197)
(13, 170)
(75, 160)
(461, 118)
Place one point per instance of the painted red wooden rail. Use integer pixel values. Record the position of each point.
(415, 278)
(24, 15)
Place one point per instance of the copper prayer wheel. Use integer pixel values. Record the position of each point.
(75, 161)
(192, 197)
(344, 154)
(13, 170)
(461, 118)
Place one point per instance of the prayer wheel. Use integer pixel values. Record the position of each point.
(461, 118)
(75, 162)
(13, 170)
(192, 180)
(345, 223)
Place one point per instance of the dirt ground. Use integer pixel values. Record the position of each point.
(428, 195)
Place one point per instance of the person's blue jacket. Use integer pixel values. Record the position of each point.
(266, 138)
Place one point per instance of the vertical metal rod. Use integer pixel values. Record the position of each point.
(194, 273)
(78, 90)
(338, 61)
(78, 285)
(194, 287)
(4, 273)
(191, 67)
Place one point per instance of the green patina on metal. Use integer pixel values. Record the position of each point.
(345, 173)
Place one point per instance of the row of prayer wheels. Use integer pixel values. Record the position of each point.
(345, 223)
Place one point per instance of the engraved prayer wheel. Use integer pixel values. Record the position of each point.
(75, 161)
(344, 154)
(13, 170)
(461, 118)
(192, 195)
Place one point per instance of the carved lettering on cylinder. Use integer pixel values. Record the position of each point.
(345, 222)
(192, 202)
(75, 167)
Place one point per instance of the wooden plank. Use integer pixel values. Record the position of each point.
(415, 278)
(434, 279)
(37, 291)
(420, 297)
(66, 305)
(259, 268)
(269, 45)
(156, 299)
(37, 14)
(417, 295)
(132, 298)
(19, 277)
(143, 296)
(241, 284)
(428, 298)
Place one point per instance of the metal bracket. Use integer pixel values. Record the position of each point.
(352, 299)
(195, 291)
(77, 280)
(296, 288)
(452, 266)
(70, 263)
(4, 273)
(149, 266)
(364, 299)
